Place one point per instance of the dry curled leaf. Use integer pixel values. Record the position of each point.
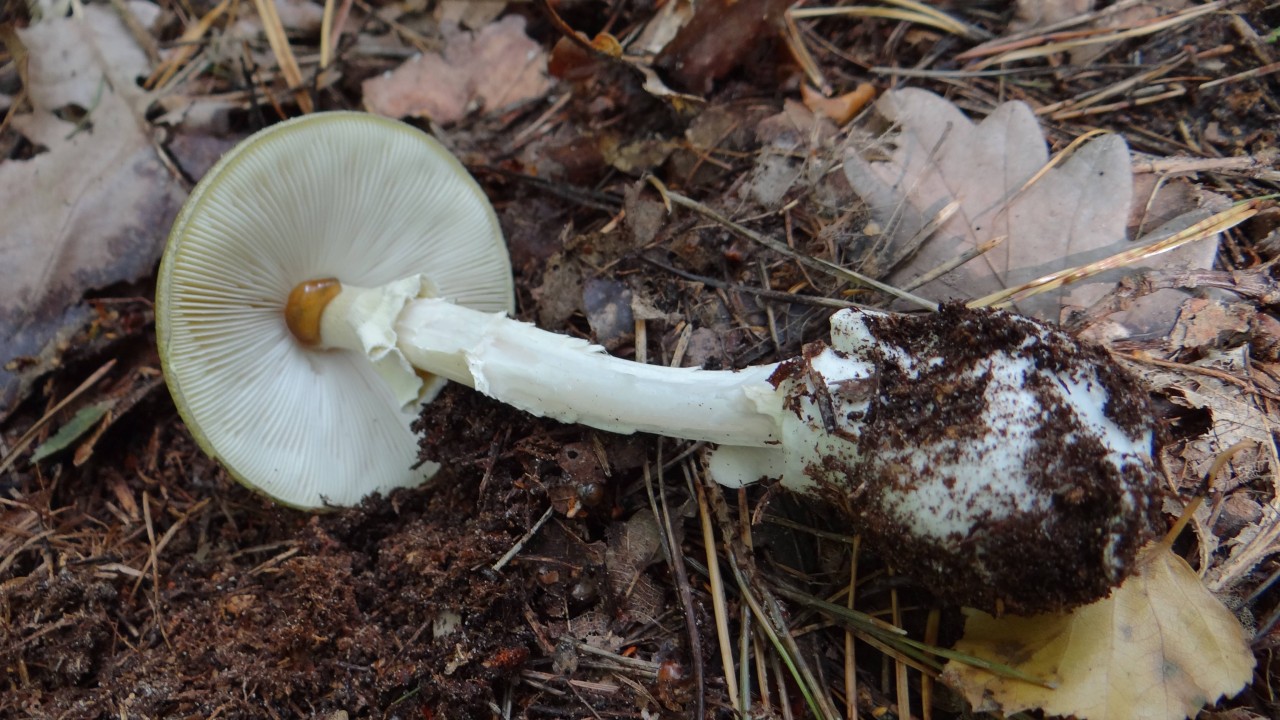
(1161, 647)
(1236, 416)
(496, 67)
(93, 208)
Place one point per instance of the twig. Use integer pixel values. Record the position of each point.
(1196, 370)
(1247, 165)
(524, 539)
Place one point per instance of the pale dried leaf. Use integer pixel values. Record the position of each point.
(93, 208)
(1161, 647)
(1207, 324)
(663, 27)
(1074, 214)
(492, 69)
(471, 14)
(790, 140)
(1161, 207)
(1236, 415)
(300, 16)
(1032, 14)
(633, 546)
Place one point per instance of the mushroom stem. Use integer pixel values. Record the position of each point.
(960, 439)
(544, 373)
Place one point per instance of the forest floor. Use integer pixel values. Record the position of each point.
(137, 579)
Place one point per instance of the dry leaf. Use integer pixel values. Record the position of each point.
(1235, 414)
(471, 14)
(1160, 648)
(1162, 206)
(1205, 324)
(1035, 14)
(662, 28)
(1237, 417)
(1032, 14)
(1074, 214)
(93, 208)
(496, 67)
(719, 36)
(633, 546)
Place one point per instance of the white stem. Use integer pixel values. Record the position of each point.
(545, 373)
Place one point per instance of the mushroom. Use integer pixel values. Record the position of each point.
(344, 195)
(329, 264)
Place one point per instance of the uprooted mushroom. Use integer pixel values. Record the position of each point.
(330, 272)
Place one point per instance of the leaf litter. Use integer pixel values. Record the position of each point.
(496, 67)
(395, 607)
(1161, 647)
(991, 173)
(92, 208)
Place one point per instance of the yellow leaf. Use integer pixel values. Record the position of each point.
(1159, 648)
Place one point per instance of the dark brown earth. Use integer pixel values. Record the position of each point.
(137, 580)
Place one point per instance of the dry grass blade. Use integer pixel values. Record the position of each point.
(955, 262)
(800, 51)
(187, 47)
(1205, 228)
(1076, 106)
(1058, 159)
(284, 54)
(872, 629)
(850, 647)
(1246, 75)
(675, 562)
(137, 31)
(718, 604)
(767, 612)
(1036, 34)
(907, 11)
(1100, 37)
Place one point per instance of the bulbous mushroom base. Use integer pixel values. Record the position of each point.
(987, 455)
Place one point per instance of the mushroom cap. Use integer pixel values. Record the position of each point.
(347, 195)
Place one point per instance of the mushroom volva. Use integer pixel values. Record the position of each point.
(332, 271)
